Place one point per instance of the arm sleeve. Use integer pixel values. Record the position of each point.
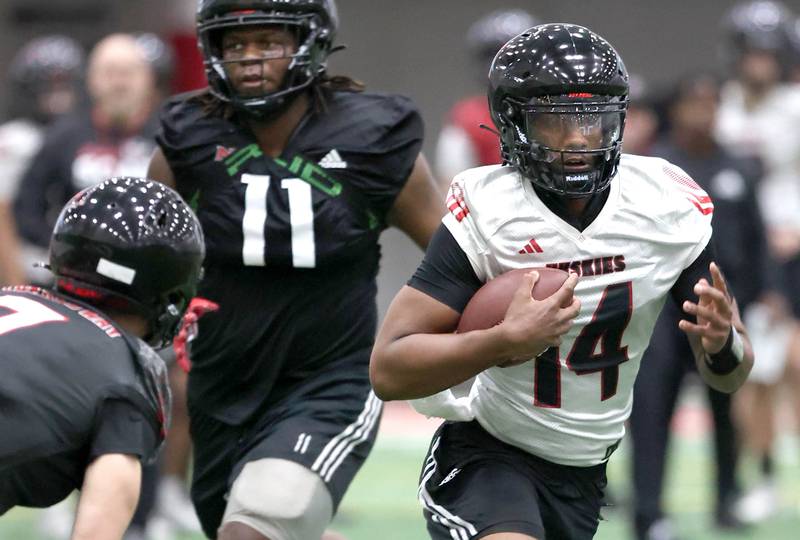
(122, 428)
(683, 289)
(445, 273)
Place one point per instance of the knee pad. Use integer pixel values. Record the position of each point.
(280, 499)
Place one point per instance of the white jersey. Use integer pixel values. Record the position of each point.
(767, 130)
(19, 141)
(570, 405)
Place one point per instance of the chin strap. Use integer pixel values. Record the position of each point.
(488, 128)
(188, 331)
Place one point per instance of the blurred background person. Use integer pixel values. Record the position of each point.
(114, 137)
(161, 57)
(44, 79)
(642, 123)
(739, 241)
(758, 119)
(462, 142)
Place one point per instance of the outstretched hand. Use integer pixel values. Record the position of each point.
(714, 312)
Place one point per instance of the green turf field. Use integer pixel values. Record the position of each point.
(381, 503)
(383, 497)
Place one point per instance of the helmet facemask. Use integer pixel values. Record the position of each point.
(307, 55)
(568, 145)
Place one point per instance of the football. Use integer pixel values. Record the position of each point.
(488, 305)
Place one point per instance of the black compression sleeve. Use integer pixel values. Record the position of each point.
(726, 360)
(446, 273)
(683, 289)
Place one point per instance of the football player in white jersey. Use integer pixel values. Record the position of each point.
(524, 455)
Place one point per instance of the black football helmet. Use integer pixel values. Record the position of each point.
(762, 25)
(558, 95)
(41, 66)
(133, 245)
(314, 21)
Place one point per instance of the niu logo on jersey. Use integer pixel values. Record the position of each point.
(696, 195)
(531, 247)
(456, 203)
(223, 152)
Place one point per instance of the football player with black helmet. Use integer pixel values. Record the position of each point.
(524, 455)
(85, 397)
(294, 174)
(113, 136)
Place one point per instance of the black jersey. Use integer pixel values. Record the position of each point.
(73, 386)
(292, 241)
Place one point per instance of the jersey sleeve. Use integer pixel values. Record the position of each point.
(381, 160)
(122, 428)
(691, 210)
(462, 222)
(183, 133)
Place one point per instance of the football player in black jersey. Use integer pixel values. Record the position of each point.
(84, 397)
(294, 174)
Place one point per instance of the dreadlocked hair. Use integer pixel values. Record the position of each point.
(323, 88)
(212, 105)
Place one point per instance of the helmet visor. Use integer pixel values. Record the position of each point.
(574, 131)
(574, 138)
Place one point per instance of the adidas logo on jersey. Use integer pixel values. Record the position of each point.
(531, 247)
(332, 160)
(456, 203)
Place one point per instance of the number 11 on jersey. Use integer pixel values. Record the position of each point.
(301, 215)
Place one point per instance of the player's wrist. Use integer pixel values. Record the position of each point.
(514, 349)
(729, 357)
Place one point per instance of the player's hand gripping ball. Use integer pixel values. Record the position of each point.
(489, 304)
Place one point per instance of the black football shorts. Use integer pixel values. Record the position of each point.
(330, 431)
(473, 485)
